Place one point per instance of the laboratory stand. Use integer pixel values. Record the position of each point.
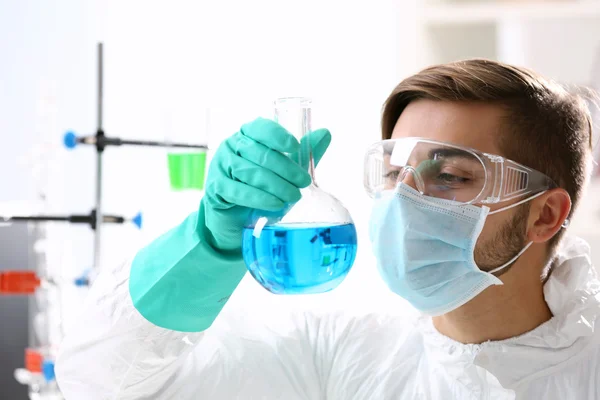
(44, 286)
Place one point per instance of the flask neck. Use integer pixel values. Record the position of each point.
(294, 114)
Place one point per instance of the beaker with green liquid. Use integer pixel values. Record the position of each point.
(186, 160)
(187, 169)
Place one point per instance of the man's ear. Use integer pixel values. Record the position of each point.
(548, 214)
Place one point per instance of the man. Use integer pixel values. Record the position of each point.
(485, 166)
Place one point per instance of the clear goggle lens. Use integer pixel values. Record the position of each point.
(434, 169)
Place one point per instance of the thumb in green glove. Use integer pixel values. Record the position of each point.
(251, 170)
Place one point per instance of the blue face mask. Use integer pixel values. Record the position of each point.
(424, 248)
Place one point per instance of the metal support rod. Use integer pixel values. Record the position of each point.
(36, 218)
(109, 141)
(162, 144)
(99, 151)
(100, 88)
(74, 219)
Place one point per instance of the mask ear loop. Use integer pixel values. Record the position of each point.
(518, 203)
(506, 264)
(564, 225)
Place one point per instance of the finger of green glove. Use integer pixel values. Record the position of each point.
(319, 142)
(316, 143)
(261, 178)
(269, 159)
(270, 134)
(234, 193)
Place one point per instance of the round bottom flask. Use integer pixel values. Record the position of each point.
(310, 246)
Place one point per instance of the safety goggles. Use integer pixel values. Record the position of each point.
(447, 171)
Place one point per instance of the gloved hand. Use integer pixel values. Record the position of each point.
(250, 172)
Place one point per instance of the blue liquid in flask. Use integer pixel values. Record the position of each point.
(300, 258)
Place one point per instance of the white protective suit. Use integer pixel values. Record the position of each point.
(114, 353)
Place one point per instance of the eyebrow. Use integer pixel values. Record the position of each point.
(449, 152)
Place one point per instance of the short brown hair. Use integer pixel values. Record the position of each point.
(548, 128)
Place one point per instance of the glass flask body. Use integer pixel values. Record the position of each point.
(310, 246)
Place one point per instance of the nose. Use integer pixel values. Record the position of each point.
(408, 178)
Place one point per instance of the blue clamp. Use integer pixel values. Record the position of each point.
(48, 370)
(81, 281)
(70, 140)
(137, 220)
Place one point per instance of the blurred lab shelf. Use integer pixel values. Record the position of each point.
(453, 13)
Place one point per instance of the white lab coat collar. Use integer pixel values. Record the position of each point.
(573, 295)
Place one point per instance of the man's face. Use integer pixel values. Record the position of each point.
(477, 126)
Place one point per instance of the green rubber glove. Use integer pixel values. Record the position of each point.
(250, 172)
(182, 280)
